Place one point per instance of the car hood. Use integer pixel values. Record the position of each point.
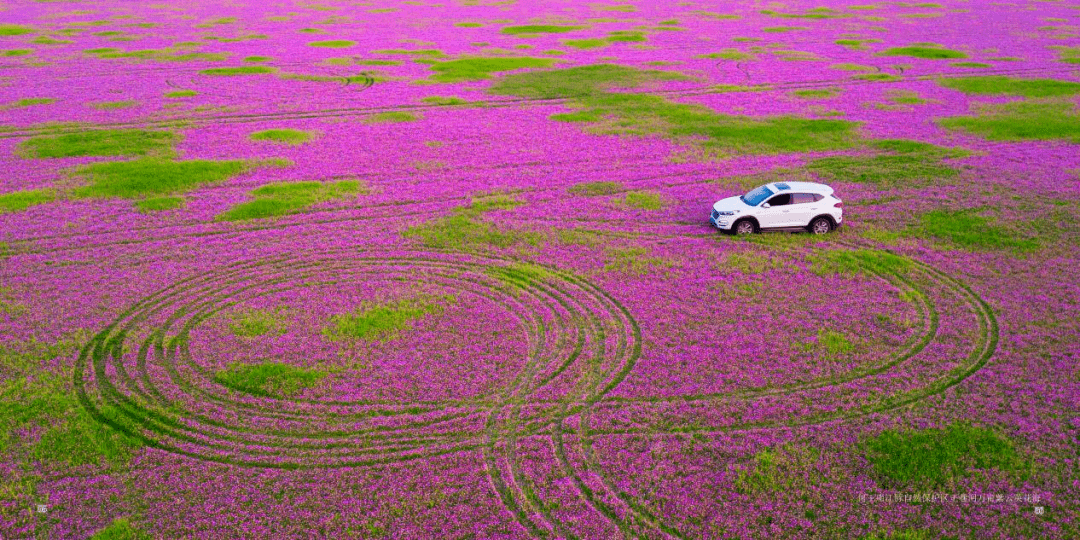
(731, 203)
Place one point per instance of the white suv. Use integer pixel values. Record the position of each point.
(780, 206)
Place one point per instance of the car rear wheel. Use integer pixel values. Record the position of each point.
(744, 227)
(821, 226)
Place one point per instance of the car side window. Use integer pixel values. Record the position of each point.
(818, 197)
(802, 198)
(780, 200)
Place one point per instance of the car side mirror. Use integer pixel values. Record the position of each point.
(765, 205)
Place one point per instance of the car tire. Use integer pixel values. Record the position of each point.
(743, 226)
(820, 225)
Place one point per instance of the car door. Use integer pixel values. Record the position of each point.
(776, 215)
(801, 210)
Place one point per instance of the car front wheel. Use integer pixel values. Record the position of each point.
(821, 226)
(744, 227)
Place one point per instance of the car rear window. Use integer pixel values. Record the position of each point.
(800, 198)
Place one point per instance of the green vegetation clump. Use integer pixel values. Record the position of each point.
(120, 529)
(969, 230)
(643, 114)
(916, 51)
(149, 176)
(853, 262)
(591, 43)
(480, 68)
(15, 30)
(333, 43)
(468, 25)
(1000, 85)
(18, 201)
(29, 102)
(464, 230)
(782, 29)
(817, 93)
(852, 67)
(40, 410)
(257, 323)
(1037, 120)
(159, 204)
(538, 29)
(291, 137)
(109, 105)
(241, 70)
(176, 53)
(816, 13)
(635, 261)
(1068, 55)
(938, 457)
(177, 94)
(383, 321)
(623, 36)
(784, 469)
(434, 53)
(444, 100)
(834, 343)
(16, 52)
(644, 200)
(391, 117)
(269, 379)
(898, 163)
(257, 59)
(729, 54)
(285, 198)
(973, 65)
(519, 275)
(856, 44)
(595, 189)
(103, 142)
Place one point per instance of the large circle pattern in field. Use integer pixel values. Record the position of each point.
(139, 376)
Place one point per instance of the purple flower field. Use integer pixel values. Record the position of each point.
(443, 269)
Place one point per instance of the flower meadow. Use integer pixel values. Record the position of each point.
(443, 269)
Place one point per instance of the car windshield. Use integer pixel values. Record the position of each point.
(755, 196)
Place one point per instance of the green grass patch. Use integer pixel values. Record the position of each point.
(856, 44)
(30, 102)
(120, 529)
(177, 94)
(48, 40)
(904, 97)
(270, 379)
(833, 343)
(444, 100)
(285, 198)
(384, 321)
(15, 30)
(177, 53)
(292, 137)
(938, 457)
(257, 59)
(783, 469)
(972, 65)
(469, 25)
(159, 204)
(644, 200)
(1037, 120)
(520, 275)
(152, 177)
(879, 77)
(593, 43)
(391, 117)
(16, 52)
(897, 163)
(480, 68)
(634, 261)
(1068, 55)
(538, 29)
(729, 54)
(464, 229)
(817, 93)
(782, 29)
(854, 262)
(968, 230)
(104, 142)
(999, 85)
(642, 114)
(816, 13)
(852, 67)
(333, 43)
(595, 189)
(109, 105)
(18, 201)
(235, 71)
(432, 53)
(931, 53)
(626, 36)
(257, 323)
